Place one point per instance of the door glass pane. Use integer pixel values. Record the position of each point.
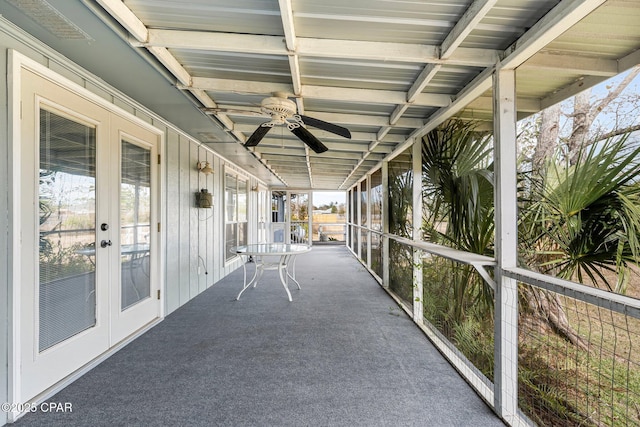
(242, 212)
(67, 202)
(299, 211)
(135, 219)
(231, 215)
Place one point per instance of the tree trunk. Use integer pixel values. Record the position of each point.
(582, 119)
(548, 136)
(545, 309)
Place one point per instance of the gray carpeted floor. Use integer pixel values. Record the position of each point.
(341, 354)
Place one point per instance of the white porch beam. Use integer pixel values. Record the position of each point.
(397, 113)
(383, 132)
(529, 105)
(372, 96)
(469, 20)
(206, 100)
(171, 63)
(427, 74)
(375, 121)
(238, 86)
(568, 91)
(286, 14)
(506, 244)
(473, 90)
(221, 42)
(360, 120)
(121, 13)
(572, 64)
(294, 66)
(361, 137)
(558, 20)
(629, 61)
(323, 48)
(386, 51)
(334, 146)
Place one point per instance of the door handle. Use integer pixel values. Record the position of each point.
(105, 243)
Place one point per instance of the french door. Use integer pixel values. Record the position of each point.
(88, 193)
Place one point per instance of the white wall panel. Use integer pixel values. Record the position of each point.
(184, 197)
(191, 218)
(171, 228)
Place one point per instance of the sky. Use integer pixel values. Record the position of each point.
(325, 197)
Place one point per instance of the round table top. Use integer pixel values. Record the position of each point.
(273, 249)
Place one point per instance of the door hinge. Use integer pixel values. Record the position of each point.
(158, 158)
(158, 293)
(158, 227)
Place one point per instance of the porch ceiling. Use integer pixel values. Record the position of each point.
(388, 70)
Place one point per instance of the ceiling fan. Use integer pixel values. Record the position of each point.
(283, 111)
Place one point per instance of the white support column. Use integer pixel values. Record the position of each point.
(385, 224)
(358, 220)
(418, 315)
(369, 220)
(310, 219)
(506, 217)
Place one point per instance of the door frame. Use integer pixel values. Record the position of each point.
(17, 62)
(287, 212)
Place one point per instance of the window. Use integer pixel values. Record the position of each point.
(235, 202)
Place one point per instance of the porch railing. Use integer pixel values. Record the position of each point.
(588, 374)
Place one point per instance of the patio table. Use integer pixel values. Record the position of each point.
(286, 264)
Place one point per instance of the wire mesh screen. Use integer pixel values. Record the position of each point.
(364, 237)
(458, 303)
(579, 363)
(401, 272)
(376, 253)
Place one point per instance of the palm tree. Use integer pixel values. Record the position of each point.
(457, 182)
(584, 218)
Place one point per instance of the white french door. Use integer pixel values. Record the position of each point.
(134, 303)
(88, 194)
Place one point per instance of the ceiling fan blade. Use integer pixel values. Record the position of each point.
(329, 127)
(257, 136)
(308, 138)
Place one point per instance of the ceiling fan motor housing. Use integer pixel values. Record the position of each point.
(276, 106)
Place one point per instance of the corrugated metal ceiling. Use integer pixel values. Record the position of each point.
(388, 70)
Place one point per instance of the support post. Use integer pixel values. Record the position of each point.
(418, 309)
(506, 244)
(385, 224)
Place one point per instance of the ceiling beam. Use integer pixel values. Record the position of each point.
(286, 14)
(467, 23)
(423, 79)
(367, 137)
(375, 121)
(530, 105)
(558, 20)
(572, 64)
(118, 10)
(570, 90)
(368, 96)
(238, 86)
(323, 48)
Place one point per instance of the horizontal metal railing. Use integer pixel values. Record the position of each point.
(607, 352)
